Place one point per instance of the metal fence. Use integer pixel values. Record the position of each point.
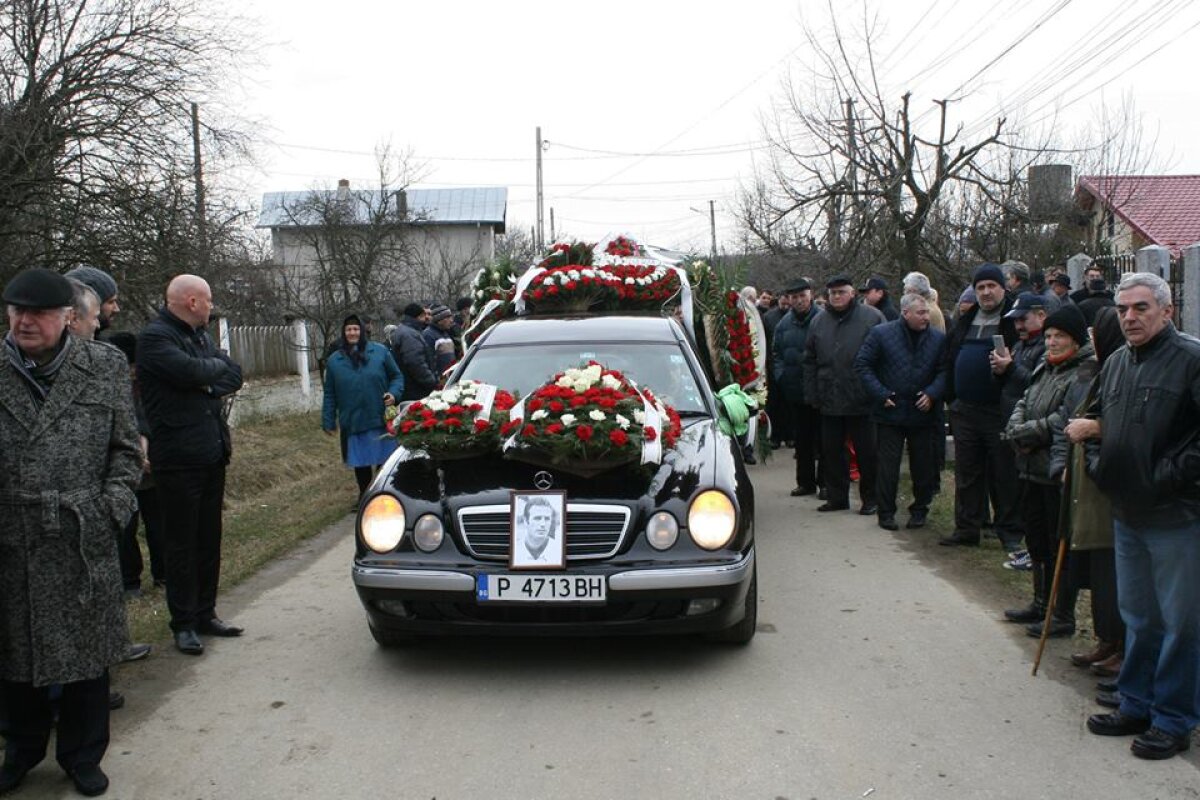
(264, 350)
(1116, 266)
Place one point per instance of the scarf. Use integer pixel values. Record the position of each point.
(38, 378)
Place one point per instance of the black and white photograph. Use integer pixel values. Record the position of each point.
(539, 530)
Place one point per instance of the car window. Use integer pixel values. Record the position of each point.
(660, 366)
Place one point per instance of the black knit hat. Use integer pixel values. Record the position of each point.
(414, 310)
(38, 288)
(352, 319)
(987, 272)
(1070, 321)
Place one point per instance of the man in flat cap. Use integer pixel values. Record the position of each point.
(105, 288)
(832, 385)
(788, 347)
(69, 463)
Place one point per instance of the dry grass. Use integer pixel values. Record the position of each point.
(286, 483)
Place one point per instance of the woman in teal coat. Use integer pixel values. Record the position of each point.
(361, 380)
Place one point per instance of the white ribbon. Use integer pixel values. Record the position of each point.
(523, 283)
(485, 396)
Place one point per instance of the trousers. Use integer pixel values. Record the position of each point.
(190, 501)
(860, 430)
(922, 466)
(82, 722)
(983, 462)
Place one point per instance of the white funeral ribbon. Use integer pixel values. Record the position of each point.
(523, 282)
(485, 396)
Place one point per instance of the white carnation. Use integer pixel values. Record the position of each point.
(622, 421)
(541, 413)
(609, 382)
(639, 416)
(565, 381)
(629, 281)
(581, 386)
(568, 419)
(597, 415)
(436, 405)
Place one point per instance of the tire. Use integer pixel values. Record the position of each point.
(385, 638)
(740, 633)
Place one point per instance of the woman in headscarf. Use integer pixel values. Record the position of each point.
(361, 380)
(1093, 560)
(1030, 431)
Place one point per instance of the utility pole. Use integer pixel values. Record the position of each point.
(539, 238)
(198, 176)
(712, 224)
(553, 237)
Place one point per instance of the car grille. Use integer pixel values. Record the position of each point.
(593, 531)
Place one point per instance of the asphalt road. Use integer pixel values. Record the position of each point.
(872, 675)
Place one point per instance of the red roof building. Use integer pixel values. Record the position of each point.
(1132, 211)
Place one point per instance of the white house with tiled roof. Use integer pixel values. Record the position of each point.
(1133, 211)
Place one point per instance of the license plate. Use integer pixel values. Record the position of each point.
(511, 588)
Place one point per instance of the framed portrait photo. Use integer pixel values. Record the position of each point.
(538, 530)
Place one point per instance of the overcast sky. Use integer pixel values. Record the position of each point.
(678, 90)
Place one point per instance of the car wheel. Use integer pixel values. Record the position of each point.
(742, 632)
(387, 638)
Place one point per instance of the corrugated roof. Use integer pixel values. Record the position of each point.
(1165, 209)
(485, 205)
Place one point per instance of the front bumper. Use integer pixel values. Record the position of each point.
(639, 601)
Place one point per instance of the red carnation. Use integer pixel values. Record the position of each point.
(578, 401)
(482, 425)
(429, 423)
(407, 425)
(572, 285)
(584, 432)
(534, 404)
(416, 406)
(529, 431)
(452, 422)
(556, 406)
(618, 437)
(554, 428)
(475, 407)
(455, 409)
(537, 294)
(606, 402)
(651, 434)
(552, 290)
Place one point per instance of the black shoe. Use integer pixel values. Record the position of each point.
(188, 643)
(957, 540)
(115, 700)
(1115, 723)
(1030, 613)
(916, 521)
(136, 652)
(89, 779)
(1059, 628)
(868, 509)
(803, 491)
(1108, 699)
(888, 524)
(827, 506)
(1156, 744)
(218, 627)
(11, 774)
(1106, 686)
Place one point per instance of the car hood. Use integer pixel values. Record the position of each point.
(488, 480)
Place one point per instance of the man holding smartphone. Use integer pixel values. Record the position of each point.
(982, 461)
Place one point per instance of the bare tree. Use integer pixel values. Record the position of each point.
(343, 250)
(93, 93)
(856, 173)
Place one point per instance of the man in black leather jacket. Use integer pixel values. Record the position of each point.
(183, 378)
(1149, 466)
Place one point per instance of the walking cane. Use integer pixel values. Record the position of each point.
(1063, 535)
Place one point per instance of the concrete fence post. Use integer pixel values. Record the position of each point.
(1190, 319)
(223, 334)
(300, 336)
(1156, 259)
(1076, 264)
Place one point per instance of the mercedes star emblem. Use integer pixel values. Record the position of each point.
(543, 480)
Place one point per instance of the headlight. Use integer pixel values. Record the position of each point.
(428, 532)
(711, 520)
(383, 523)
(662, 530)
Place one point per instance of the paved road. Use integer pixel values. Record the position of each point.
(870, 674)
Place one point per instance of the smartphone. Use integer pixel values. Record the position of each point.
(998, 344)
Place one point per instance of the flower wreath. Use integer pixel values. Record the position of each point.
(460, 421)
(590, 419)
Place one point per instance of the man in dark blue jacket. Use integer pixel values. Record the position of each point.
(787, 376)
(183, 379)
(901, 366)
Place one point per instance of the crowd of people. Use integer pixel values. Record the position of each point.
(1075, 419)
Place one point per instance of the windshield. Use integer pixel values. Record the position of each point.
(661, 367)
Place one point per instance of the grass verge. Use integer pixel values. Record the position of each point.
(285, 484)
